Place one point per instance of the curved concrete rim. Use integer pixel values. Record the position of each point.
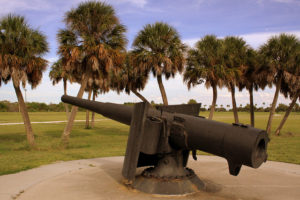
(100, 178)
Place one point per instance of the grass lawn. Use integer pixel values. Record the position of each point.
(109, 138)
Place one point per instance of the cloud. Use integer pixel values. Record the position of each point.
(51, 61)
(138, 3)
(8, 6)
(261, 2)
(286, 1)
(190, 42)
(253, 39)
(257, 39)
(11, 6)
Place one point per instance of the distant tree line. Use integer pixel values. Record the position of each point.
(6, 106)
(221, 108)
(280, 108)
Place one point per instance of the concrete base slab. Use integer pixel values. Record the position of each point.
(101, 178)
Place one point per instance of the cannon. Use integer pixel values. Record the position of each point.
(161, 139)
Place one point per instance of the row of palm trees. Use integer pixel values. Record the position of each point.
(227, 62)
(231, 63)
(92, 52)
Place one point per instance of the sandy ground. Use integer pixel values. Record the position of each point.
(100, 178)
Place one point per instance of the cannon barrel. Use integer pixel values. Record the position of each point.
(239, 144)
(113, 111)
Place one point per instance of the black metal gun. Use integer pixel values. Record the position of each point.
(162, 137)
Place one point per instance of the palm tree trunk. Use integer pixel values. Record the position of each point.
(213, 104)
(65, 93)
(251, 105)
(93, 113)
(68, 128)
(87, 116)
(272, 111)
(140, 96)
(162, 90)
(235, 113)
(25, 116)
(277, 132)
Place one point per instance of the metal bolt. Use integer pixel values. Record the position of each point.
(166, 161)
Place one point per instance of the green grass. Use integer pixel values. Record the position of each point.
(6, 117)
(109, 138)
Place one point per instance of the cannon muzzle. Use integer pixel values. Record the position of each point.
(240, 144)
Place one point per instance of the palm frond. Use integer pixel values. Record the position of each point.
(22, 48)
(92, 43)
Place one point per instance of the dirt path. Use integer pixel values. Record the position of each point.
(47, 122)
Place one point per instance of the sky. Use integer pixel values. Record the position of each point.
(253, 20)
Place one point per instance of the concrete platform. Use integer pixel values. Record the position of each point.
(100, 178)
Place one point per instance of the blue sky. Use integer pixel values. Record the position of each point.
(254, 20)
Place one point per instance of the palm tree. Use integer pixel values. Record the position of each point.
(204, 63)
(87, 112)
(21, 60)
(279, 54)
(249, 78)
(57, 74)
(91, 47)
(291, 88)
(234, 57)
(96, 91)
(158, 48)
(130, 79)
